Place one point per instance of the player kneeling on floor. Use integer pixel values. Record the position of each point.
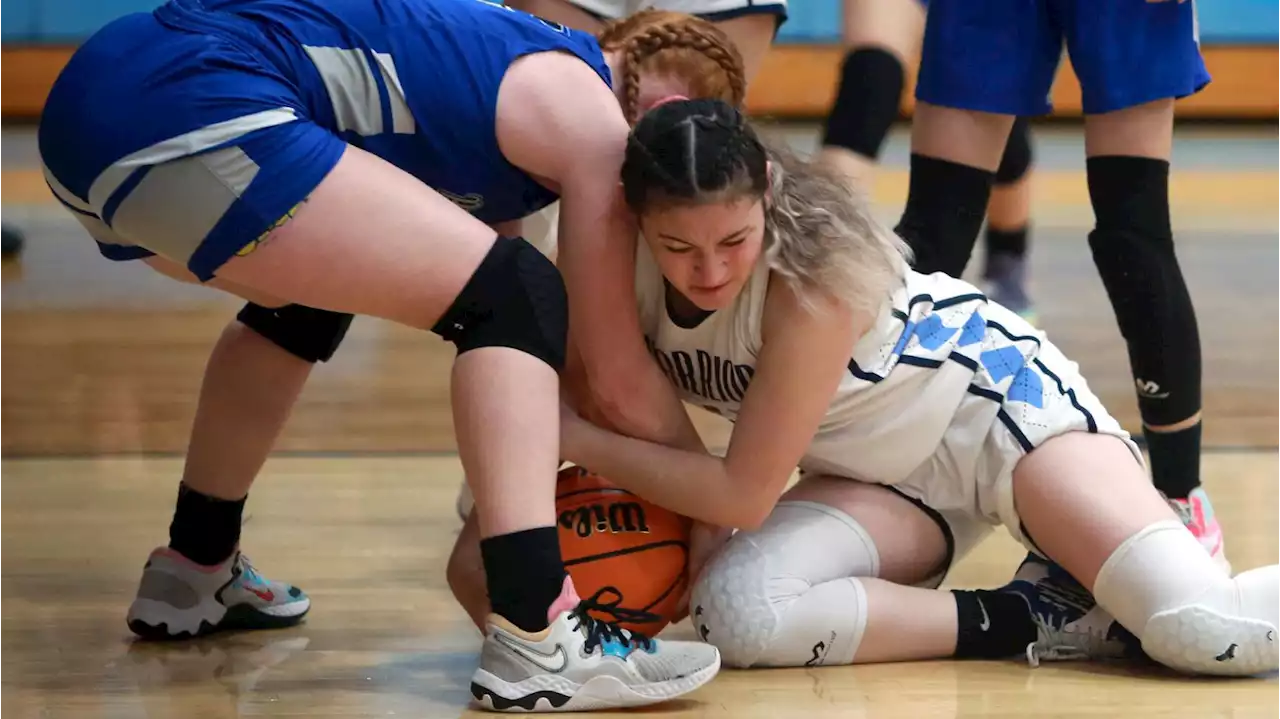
(925, 414)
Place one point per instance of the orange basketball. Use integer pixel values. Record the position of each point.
(635, 554)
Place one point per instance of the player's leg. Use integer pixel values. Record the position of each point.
(1004, 270)
(842, 572)
(1128, 138)
(270, 203)
(241, 411)
(982, 64)
(752, 29)
(882, 37)
(1080, 496)
(465, 572)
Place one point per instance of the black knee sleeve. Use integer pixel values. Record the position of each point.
(307, 333)
(867, 102)
(946, 203)
(516, 299)
(1017, 154)
(1132, 247)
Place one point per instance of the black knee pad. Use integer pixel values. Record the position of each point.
(867, 102)
(1132, 247)
(946, 203)
(516, 299)
(305, 332)
(1017, 154)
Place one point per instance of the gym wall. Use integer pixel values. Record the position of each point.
(1239, 40)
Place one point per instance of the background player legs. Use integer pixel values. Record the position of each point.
(1132, 243)
(1004, 270)
(954, 157)
(882, 36)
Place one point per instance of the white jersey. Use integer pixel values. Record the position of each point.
(907, 375)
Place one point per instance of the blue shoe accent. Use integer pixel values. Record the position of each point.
(1069, 622)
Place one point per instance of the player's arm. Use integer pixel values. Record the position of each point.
(557, 120)
(804, 355)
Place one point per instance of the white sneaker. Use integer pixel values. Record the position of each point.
(581, 663)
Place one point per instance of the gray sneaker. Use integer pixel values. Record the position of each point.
(582, 663)
(178, 598)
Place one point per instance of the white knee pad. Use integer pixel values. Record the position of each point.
(787, 594)
(1190, 616)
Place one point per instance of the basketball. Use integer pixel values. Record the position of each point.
(632, 553)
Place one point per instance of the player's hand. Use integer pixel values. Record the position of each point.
(705, 540)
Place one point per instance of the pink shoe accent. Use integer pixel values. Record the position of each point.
(567, 600)
(1197, 514)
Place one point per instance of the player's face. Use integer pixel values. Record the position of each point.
(707, 252)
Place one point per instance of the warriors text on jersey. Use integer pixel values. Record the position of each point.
(936, 344)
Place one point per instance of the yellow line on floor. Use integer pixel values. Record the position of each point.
(1199, 191)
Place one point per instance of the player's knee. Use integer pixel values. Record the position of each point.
(307, 333)
(516, 298)
(770, 596)
(867, 101)
(1132, 243)
(1017, 154)
(1130, 196)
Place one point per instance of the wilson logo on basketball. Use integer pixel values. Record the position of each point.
(612, 518)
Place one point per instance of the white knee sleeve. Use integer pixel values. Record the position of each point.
(1162, 586)
(787, 594)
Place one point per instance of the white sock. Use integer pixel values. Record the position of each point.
(1161, 567)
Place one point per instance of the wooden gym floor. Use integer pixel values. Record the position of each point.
(101, 363)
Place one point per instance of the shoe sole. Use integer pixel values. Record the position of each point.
(552, 693)
(156, 621)
(1197, 639)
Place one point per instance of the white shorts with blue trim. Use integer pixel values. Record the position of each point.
(969, 478)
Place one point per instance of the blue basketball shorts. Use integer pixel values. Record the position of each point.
(1001, 56)
(178, 144)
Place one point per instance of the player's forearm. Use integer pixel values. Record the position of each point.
(693, 483)
(625, 383)
(643, 404)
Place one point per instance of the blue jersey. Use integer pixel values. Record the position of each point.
(287, 83)
(448, 58)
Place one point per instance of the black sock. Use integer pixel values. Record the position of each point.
(205, 529)
(946, 204)
(525, 575)
(1012, 243)
(992, 625)
(1175, 460)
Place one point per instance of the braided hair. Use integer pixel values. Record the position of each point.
(675, 45)
(819, 236)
